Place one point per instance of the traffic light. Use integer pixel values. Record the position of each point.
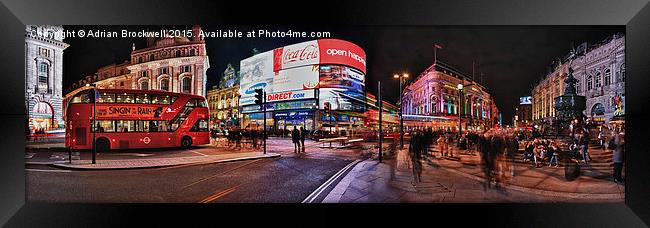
(328, 107)
(259, 96)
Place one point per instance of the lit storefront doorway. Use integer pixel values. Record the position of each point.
(42, 118)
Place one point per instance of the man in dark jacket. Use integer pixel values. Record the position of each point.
(295, 138)
(303, 134)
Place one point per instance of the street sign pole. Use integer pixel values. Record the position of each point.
(401, 118)
(380, 114)
(94, 124)
(264, 104)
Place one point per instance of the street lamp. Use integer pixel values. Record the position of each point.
(460, 102)
(401, 78)
(94, 127)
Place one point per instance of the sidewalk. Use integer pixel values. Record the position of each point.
(446, 180)
(162, 162)
(594, 181)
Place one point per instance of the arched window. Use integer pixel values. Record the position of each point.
(140, 59)
(590, 80)
(144, 85)
(608, 77)
(191, 52)
(43, 76)
(186, 85)
(164, 84)
(622, 72)
(598, 80)
(151, 57)
(178, 53)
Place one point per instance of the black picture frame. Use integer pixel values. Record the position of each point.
(14, 14)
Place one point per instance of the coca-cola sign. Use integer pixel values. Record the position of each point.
(301, 54)
(304, 54)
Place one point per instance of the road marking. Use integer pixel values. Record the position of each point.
(199, 153)
(49, 170)
(220, 194)
(133, 154)
(221, 173)
(320, 189)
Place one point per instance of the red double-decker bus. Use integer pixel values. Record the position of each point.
(130, 119)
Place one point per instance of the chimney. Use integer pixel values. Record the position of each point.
(196, 30)
(151, 41)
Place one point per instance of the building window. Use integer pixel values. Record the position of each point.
(187, 85)
(151, 58)
(186, 68)
(622, 72)
(143, 74)
(163, 70)
(590, 82)
(144, 85)
(598, 80)
(121, 83)
(192, 52)
(43, 76)
(178, 53)
(164, 84)
(140, 59)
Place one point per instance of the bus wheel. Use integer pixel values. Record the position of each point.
(103, 145)
(186, 142)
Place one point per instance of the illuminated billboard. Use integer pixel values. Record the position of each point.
(525, 100)
(324, 51)
(300, 66)
(341, 99)
(256, 73)
(298, 78)
(341, 77)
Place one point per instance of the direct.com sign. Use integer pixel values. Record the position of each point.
(290, 95)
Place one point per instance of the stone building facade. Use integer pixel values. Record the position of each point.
(44, 77)
(600, 71)
(432, 100)
(223, 99)
(175, 64)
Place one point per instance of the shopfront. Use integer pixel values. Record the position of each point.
(288, 120)
(42, 118)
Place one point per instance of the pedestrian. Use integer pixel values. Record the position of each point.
(513, 148)
(295, 138)
(584, 145)
(254, 136)
(601, 139)
(415, 149)
(441, 144)
(450, 141)
(485, 157)
(303, 134)
(618, 155)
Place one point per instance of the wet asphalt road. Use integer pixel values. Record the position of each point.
(280, 180)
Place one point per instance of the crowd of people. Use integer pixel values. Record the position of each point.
(236, 137)
(498, 149)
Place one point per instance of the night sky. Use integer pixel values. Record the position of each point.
(511, 58)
